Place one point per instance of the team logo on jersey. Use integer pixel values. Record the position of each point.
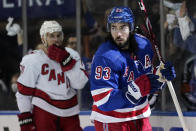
(68, 82)
(59, 77)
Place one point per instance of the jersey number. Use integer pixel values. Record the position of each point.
(99, 73)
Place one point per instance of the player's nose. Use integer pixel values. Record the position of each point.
(119, 34)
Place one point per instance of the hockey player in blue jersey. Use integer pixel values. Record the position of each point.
(122, 77)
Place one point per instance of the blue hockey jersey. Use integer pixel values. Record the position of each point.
(112, 70)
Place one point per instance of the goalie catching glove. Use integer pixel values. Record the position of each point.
(26, 122)
(60, 55)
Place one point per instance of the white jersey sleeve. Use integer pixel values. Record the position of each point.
(24, 102)
(77, 75)
(26, 67)
(28, 72)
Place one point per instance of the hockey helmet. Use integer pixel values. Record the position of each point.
(121, 14)
(50, 27)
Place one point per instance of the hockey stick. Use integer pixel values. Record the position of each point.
(169, 83)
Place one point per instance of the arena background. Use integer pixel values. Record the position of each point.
(71, 14)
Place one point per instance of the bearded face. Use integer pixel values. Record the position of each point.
(120, 34)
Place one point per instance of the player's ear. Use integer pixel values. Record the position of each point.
(43, 40)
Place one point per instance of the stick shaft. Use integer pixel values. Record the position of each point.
(149, 29)
(170, 86)
(176, 103)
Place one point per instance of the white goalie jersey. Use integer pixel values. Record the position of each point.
(43, 83)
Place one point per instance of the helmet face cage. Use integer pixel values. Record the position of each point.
(50, 27)
(121, 15)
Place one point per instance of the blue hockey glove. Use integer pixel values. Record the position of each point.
(168, 72)
(155, 83)
(143, 86)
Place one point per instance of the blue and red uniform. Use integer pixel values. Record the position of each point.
(112, 71)
(122, 77)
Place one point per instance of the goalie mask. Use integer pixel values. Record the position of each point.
(50, 27)
(121, 15)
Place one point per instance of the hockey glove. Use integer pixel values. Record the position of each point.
(26, 122)
(168, 72)
(60, 55)
(143, 86)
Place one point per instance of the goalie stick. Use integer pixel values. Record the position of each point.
(169, 83)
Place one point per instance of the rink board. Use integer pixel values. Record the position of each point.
(161, 121)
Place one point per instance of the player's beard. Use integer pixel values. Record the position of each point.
(130, 44)
(122, 45)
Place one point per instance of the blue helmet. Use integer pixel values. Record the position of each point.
(121, 14)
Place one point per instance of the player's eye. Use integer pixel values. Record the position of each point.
(124, 28)
(51, 36)
(59, 35)
(113, 28)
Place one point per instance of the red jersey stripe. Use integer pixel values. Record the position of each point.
(101, 96)
(120, 114)
(63, 104)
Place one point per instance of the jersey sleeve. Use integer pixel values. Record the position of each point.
(26, 84)
(145, 54)
(150, 53)
(77, 75)
(24, 102)
(28, 72)
(104, 82)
